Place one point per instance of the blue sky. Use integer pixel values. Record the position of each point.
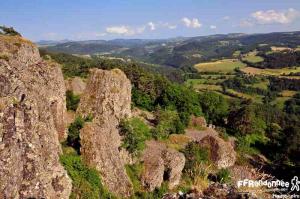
(109, 19)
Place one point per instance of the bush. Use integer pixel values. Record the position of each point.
(196, 156)
(134, 172)
(86, 181)
(135, 133)
(168, 122)
(8, 31)
(223, 176)
(72, 100)
(73, 138)
(214, 106)
(141, 99)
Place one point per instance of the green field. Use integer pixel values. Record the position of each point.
(254, 97)
(261, 85)
(253, 58)
(222, 66)
(208, 79)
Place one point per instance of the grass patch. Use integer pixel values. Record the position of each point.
(177, 141)
(222, 66)
(86, 181)
(256, 98)
(262, 84)
(272, 72)
(253, 58)
(135, 133)
(279, 102)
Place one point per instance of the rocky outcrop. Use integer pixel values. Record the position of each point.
(32, 106)
(161, 163)
(107, 98)
(76, 84)
(222, 152)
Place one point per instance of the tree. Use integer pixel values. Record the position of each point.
(168, 122)
(214, 106)
(135, 132)
(9, 31)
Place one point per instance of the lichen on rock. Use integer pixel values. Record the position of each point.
(31, 123)
(161, 164)
(107, 99)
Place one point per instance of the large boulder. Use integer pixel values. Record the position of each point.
(161, 164)
(222, 153)
(32, 106)
(107, 98)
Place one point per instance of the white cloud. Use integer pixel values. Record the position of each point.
(191, 23)
(273, 16)
(213, 27)
(151, 25)
(120, 30)
(125, 30)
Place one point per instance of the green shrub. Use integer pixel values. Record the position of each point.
(73, 138)
(214, 106)
(72, 100)
(86, 181)
(8, 31)
(142, 99)
(196, 157)
(168, 122)
(135, 133)
(223, 176)
(134, 172)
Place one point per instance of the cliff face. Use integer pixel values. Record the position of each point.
(32, 107)
(107, 98)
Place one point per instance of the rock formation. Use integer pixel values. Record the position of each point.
(107, 98)
(161, 163)
(76, 84)
(222, 152)
(32, 107)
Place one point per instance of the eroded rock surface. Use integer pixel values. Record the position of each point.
(76, 84)
(107, 98)
(161, 163)
(32, 106)
(222, 152)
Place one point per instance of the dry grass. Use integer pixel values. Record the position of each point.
(278, 49)
(177, 141)
(16, 40)
(272, 72)
(223, 66)
(287, 93)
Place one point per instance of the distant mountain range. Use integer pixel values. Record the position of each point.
(176, 52)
